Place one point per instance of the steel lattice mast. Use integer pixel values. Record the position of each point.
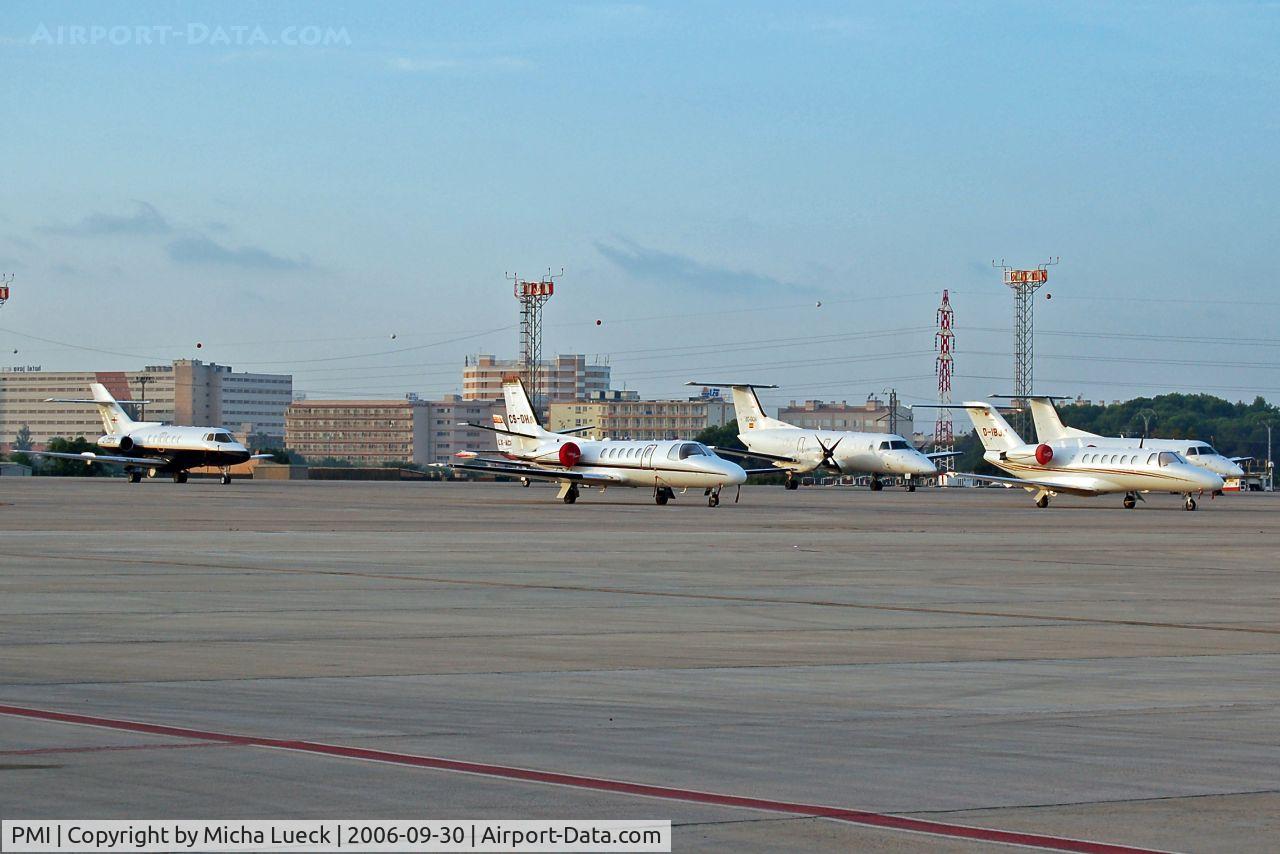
(1024, 284)
(944, 343)
(532, 296)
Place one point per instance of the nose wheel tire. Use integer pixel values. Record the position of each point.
(226, 478)
(663, 494)
(713, 500)
(876, 485)
(911, 487)
(135, 477)
(524, 481)
(1130, 502)
(1189, 503)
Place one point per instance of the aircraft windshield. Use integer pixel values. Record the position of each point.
(691, 449)
(899, 445)
(1169, 457)
(222, 437)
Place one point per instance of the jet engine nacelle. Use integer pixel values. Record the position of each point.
(117, 443)
(570, 454)
(1044, 454)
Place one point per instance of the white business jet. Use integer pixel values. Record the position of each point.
(796, 450)
(154, 447)
(1049, 428)
(1064, 466)
(530, 451)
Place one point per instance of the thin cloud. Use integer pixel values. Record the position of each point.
(200, 251)
(145, 220)
(408, 65)
(658, 266)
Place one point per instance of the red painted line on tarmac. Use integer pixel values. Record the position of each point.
(852, 816)
(43, 751)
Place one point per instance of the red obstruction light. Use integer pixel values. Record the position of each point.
(1044, 454)
(570, 454)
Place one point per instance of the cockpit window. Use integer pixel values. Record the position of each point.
(884, 446)
(1206, 450)
(220, 437)
(691, 449)
(899, 445)
(1169, 457)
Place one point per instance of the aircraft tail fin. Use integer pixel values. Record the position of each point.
(521, 416)
(993, 430)
(114, 419)
(746, 406)
(1049, 426)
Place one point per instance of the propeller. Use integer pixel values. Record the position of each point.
(828, 460)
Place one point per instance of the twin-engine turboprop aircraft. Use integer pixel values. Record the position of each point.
(153, 447)
(530, 451)
(796, 450)
(1049, 428)
(1066, 466)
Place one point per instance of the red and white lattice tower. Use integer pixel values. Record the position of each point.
(944, 342)
(5, 280)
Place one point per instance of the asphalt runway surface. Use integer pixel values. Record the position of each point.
(826, 669)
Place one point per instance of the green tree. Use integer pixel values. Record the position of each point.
(21, 443)
(71, 468)
(724, 436)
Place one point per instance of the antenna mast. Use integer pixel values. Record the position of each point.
(1024, 284)
(533, 296)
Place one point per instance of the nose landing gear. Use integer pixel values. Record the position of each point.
(1188, 502)
(713, 500)
(1130, 501)
(876, 485)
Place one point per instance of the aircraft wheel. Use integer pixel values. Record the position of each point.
(713, 500)
(571, 496)
(226, 478)
(1130, 502)
(1189, 503)
(1042, 502)
(911, 487)
(661, 496)
(792, 484)
(180, 477)
(135, 477)
(876, 485)
(524, 481)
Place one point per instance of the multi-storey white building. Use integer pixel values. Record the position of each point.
(566, 377)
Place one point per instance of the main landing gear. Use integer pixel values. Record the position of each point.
(179, 477)
(911, 484)
(1130, 501)
(1188, 502)
(226, 476)
(571, 494)
(791, 483)
(1042, 501)
(663, 494)
(876, 484)
(524, 481)
(135, 476)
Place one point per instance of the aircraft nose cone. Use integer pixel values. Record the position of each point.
(733, 473)
(922, 465)
(1209, 481)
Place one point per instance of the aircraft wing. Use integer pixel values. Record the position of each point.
(938, 455)
(1239, 459)
(90, 457)
(1042, 484)
(262, 457)
(769, 470)
(573, 430)
(733, 452)
(512, 470)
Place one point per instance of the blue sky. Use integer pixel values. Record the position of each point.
(705, 173)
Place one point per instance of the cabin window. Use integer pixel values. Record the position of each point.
(1151, 460)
